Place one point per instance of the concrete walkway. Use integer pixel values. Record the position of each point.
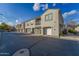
(76, 38)
(61, 37)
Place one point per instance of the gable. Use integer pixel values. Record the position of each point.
(48, 11)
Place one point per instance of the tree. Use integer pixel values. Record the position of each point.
(5, 27)
(71, 24)
(72, 31)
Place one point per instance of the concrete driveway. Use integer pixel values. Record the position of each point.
(37, 45)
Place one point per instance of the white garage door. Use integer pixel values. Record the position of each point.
(49, 31)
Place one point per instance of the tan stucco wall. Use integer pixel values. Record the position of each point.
(18, 27)
(77, 29)
(46, 23)
(54, 23)
(22, 27)
(30, 22)
(57, 19)
(30, 26)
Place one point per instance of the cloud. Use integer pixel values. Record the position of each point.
(44, 6)
(54, 4)
(76, 20)
(10, 23)
(72, 12)
(2, 18)
(18, 21)
(36, 7)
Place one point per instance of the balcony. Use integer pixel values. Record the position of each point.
(38, 21)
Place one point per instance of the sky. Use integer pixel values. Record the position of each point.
(14, 13)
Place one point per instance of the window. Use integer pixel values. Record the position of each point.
(48, 17)
(31, 23)
(38, 21)
(27, 24)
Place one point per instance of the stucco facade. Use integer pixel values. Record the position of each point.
(56, 22)
(49, 23)
(18, 27)
(77, 28)
(29, 26)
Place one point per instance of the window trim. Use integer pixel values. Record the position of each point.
(47, 15)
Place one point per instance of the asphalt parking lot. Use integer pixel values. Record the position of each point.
(37, 45)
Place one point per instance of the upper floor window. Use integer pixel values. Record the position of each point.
(27, 24)
(38, 21)
(31, 23)
(48, 17)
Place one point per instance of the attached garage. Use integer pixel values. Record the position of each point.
(28, 30)
(47, 31)
(37, 30)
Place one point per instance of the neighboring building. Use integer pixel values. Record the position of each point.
(20, 27)
(49, 23)
(77, 28)
(71, 24)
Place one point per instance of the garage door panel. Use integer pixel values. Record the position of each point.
(49, 31)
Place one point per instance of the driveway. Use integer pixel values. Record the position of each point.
(37, 45)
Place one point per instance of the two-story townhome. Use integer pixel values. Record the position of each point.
(52, 22)
(29, 26)
(20, 27)
(49, 23)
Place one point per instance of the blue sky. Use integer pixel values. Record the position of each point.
(18, 12)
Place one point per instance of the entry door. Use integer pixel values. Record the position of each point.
(49, 31)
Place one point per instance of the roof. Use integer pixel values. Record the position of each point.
(32, 19)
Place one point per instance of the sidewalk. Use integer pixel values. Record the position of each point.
(61, 37)
(70, 37)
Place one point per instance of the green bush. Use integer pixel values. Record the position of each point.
(72, 31)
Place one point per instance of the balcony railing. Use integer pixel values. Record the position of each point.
(38, 21)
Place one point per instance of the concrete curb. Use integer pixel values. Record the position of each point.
(70, 37)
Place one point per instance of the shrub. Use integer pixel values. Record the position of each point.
(72, 31)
